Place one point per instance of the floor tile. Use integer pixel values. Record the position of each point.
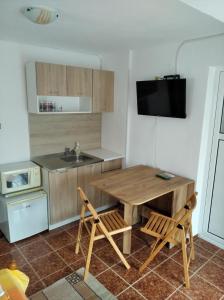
(206, 245)
(48, 233)
(219, 261)
(202, 251)
(201, 290)
(133, 273)
(5, 246)
(147, 239)
(96, 245)
(194, 264)
(57, 275)
(171, 271)
(136, 243)
(74, 231)
(108, 255)
(214, 274)
(96, 265)
(24, 242)
(59, 240)
(112, 282)
(171, 251)
(68, 253)
(143, 254)
(27, 269)
(220, 253)
(8, 258)
(178, 296)
(153, 287)
(47, 264)
(34, 288)
(35, 250)
(130, 294)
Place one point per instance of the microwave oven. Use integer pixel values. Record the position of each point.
(20, 176)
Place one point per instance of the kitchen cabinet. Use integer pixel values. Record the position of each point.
(79, 81)
(108, 166)
(85, 175)
(103, 91)
(56, 89)
(50, 79)
(61, 186)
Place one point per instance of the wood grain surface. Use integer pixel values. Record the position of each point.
(51, 133)
(138, 185)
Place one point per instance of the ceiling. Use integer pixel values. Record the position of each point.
(97, 26)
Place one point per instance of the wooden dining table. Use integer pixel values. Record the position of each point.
(139, 185)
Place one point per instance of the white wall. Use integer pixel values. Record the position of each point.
(114, 124)
(214, 8)
(14, 135)
(172, 144)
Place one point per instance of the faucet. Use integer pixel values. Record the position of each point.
(77, 150)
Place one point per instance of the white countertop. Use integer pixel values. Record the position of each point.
(103, 154)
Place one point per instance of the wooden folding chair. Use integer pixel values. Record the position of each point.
(172, 230)
(99, 226)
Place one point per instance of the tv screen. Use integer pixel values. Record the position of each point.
(166, 98)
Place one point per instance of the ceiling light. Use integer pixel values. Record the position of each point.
(41, 14)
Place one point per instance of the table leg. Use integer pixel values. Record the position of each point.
(128, 217)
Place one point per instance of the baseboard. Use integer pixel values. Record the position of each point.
(75, 218)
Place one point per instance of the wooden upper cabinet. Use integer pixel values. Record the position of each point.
(51, 79)
(79, 81)
(103, 91)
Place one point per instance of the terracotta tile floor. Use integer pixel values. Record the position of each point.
(49, 256)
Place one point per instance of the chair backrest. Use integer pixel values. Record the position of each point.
(86, 204)
(186, 212)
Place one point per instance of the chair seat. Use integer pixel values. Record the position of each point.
(113, 222)
(158, 225)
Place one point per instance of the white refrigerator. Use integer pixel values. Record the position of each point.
(24, 215)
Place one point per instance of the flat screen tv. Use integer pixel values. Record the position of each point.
(165, 98)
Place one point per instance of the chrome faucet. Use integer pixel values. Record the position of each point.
(77, 150)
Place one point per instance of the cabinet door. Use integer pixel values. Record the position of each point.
(63, 195)
(85, 175)
(112, 165)
(107, 166)
(79, 81)
(103, 91)
(51, 79)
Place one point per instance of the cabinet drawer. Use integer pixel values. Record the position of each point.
(112, 165)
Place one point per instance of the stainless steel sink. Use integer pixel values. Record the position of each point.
(75, 159)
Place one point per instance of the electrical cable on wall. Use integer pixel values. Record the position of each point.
(193, 40)
(155, 143)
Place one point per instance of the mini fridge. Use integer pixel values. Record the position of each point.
(24, 215)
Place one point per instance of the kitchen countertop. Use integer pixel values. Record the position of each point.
(104, 154)
(54, 161)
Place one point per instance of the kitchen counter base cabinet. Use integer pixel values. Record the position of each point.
(108, 166)
(61, 186)
(85, 175)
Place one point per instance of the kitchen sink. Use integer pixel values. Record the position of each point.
(74, 158)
